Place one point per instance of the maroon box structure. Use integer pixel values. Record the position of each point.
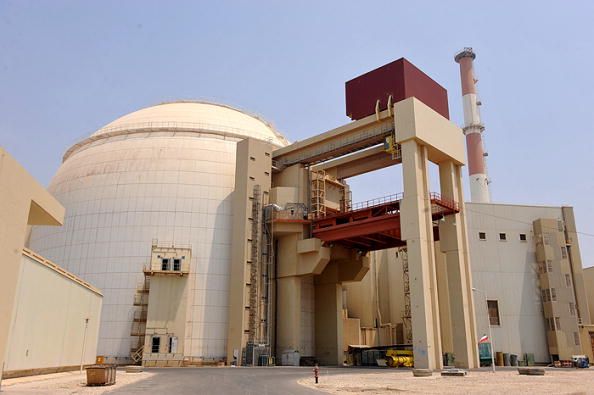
(402, 80)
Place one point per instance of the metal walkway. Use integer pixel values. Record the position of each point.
(374, 224)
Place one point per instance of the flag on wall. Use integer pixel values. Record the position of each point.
(484, 339)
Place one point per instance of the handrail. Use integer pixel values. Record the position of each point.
(377, 202)
(397, 197)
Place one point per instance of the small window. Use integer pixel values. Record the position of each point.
(502, 236)
(563, 252)
(547, 295)
(576, 338)
(267, 153)
(172, 344)
(546, 238)
(551, 323)
(252, 178)
(522, 236)
(252, 158)
(493, 307)
(165, 264)
(266, 173)
(177, 264)
(156, 344)
(557, 323)
(553, 295)
(482, 236)
(572, 308)
(549, 265)
(568, 280)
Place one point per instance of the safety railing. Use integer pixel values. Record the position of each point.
(377, 202)
(433, 196)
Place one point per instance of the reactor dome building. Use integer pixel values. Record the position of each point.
(151, 192)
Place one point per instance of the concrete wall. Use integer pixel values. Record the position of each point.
(507, 271)
(23, 202)
(48, 324)
(589, 287)
(167, 318)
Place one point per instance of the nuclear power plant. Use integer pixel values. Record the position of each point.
(214, 240)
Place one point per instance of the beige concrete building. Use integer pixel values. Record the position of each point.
(312, 266)
(525, 262)
(49, 318)
(214, 240)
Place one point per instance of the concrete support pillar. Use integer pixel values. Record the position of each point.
(288, 314)
(328, 323)
(417, 230)
(454, 244)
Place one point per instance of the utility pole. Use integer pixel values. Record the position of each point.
(82, 354)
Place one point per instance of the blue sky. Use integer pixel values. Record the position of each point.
(69, 67)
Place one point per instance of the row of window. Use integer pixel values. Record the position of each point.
(156, 344)
(502, 236)
(171, 264)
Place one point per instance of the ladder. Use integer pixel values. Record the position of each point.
(407, 314)
(318, 193)
(254, 266)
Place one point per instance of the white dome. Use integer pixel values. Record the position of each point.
(188, 116)
(162, 173)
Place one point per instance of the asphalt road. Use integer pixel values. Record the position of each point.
(230, 381)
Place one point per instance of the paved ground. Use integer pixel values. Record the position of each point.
(241, 381)
(285, 380)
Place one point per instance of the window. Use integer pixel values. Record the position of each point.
(546, 295)
(549, 265)
(502, 236)
(177, 264)
(493, 307)
(568, 280)
(551, 323)
(252, 158)
(155, 344)
(576, 338)
(553, 295)
(572, 308)
(557, 323)
(563, 252)
(482, 236)
(165, 264)
(522, 236)
(172, 344)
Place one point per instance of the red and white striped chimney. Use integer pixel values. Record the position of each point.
(473, 129)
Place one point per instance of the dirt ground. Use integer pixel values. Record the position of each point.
(570, 381)
(66, 383)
